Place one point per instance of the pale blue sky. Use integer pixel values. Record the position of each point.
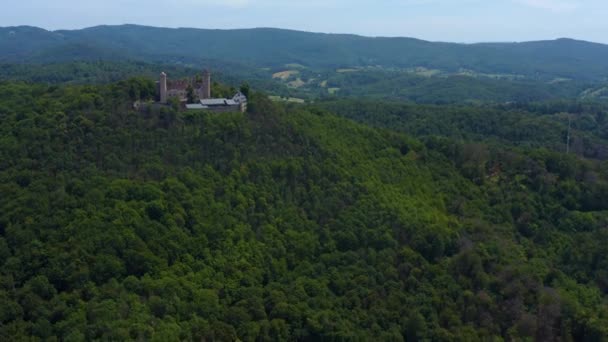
(438, 20)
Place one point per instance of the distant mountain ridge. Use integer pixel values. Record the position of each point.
(268, 47)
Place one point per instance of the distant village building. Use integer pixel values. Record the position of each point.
(200, 88)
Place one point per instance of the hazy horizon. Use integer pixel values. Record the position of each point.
(308, 31)
(468, 21)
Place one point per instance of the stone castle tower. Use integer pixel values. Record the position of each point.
(206, 86)
(163, 87)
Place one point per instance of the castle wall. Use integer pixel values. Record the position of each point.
(225, 109)
(179, 93)
(179, 88)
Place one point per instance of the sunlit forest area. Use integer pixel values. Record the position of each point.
(340, 220)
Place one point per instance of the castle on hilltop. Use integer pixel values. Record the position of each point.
(195, 93)
(179, 88)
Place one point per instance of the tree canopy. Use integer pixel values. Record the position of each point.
(288, 223)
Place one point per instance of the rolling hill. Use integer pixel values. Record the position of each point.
(267, 47)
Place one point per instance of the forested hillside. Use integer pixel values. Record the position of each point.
(309, 85)
(263, 47)
(533, 124)
(449, 88)
(286, 223)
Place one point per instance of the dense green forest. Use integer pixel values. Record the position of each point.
(442, 88)
(532, 124)
(99, 72)
(103, 72)
(312, 85)
(266, 47)
(290, 222)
